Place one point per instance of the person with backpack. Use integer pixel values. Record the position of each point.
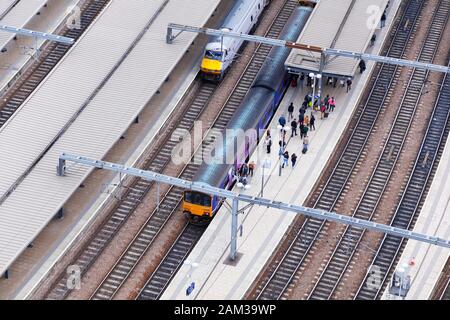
(293, 159)
(290, 111)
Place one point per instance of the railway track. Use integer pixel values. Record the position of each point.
(139, 188)
(343, 253)
(168, 267)
(47, 61)
(415, 193)
(446, 293)
(134, 195)
(282, 273)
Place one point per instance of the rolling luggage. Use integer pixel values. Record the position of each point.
(326, 114)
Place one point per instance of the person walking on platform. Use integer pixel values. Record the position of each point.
(306, 121)
(244, 170)
(322, 111)
(285, 159)
(326, 100)
(332, 104)
(293, 159)
(373, 39)
(305, 145)
(293, 127)
(301, 118)
(383, 20)
(312, 121)
(349, 84)
(304, 106)
(362, 66)
(282, 121)
(302, 77)
(304, 132)
(291, 110)
(251, 168)
(268, 142)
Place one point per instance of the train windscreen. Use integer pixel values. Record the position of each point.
(197, 198)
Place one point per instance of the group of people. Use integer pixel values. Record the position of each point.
(327, 105)
(245, 170)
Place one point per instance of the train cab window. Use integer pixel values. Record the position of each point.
(198, 198)
(214, 55)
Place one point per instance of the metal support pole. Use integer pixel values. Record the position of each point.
(169, 37)
(61, 168)
(321, 67)
(234, 228)
(281, 155)
(262, 182)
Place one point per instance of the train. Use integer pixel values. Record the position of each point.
(221, 51)
(255, 112)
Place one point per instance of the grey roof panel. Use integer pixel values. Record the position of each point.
(5, 5)
(38, 197)
(343, 24)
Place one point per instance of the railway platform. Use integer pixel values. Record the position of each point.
(216, 277)
(425, 262)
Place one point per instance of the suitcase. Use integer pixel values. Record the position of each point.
(326, 114)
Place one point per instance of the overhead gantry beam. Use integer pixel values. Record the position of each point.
(208, 189)
(37, 34)
(289, 44)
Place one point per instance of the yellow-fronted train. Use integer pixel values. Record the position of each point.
(254, 112)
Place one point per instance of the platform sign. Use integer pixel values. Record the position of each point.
(190, 288)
